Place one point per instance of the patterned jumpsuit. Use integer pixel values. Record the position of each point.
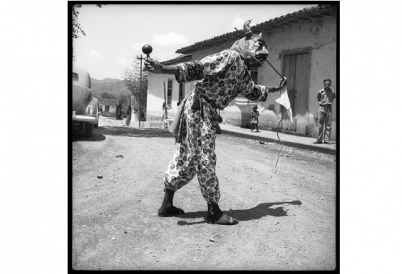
(223, 76)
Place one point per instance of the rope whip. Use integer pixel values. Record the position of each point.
(277, 132)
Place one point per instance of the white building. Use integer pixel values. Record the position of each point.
(302, 47)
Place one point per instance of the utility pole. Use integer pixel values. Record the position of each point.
(139, 97)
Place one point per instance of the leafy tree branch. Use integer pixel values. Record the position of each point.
(132, 77)
(76, 25)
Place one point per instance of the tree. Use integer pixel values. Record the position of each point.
(132, 78)
(106, 95)
(76, 25)
(123, 99)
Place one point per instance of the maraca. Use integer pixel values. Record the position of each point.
(147, 49)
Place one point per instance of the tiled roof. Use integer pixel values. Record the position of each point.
(304, 15)
(178, 59)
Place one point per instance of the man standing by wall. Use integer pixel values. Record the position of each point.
(325, 99)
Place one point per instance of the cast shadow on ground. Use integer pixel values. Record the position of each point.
(135, 132)
(79, 136)
(100, 133)
(257, 212)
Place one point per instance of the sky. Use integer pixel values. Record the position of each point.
(116, 33)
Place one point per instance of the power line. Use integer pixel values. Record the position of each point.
(263, 17)
(243, 15)
(286, 12)
(274, 7)
(251, 11)
(258, 7)
(228, 19)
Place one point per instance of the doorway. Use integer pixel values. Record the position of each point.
(297, 69)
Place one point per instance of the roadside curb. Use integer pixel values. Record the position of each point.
(318, 148)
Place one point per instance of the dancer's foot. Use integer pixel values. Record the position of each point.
(167, 208)
(169, 211)
(223, 220)
(216, 216)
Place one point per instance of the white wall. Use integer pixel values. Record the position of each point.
(155, 94)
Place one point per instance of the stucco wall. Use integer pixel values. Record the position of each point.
(156, 97)
(317, 37)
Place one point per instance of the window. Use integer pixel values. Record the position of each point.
(169, 92)
(254, 75)
(107, 108)
(181, 92)
(75, 77)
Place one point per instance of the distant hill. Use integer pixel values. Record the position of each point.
(109, 85)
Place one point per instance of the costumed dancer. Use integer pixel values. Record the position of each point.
(220, 78)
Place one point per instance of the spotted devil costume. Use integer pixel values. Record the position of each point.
(223, 76)
(220, 78)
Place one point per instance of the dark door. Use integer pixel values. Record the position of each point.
(297, 70)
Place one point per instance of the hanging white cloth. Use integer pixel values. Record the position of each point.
(284, 101)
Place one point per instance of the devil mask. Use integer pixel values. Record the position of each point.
(252, 48)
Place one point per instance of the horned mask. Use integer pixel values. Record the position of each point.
(252, 47)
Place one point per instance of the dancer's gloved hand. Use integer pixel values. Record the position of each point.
(283, 83)
(152, 65)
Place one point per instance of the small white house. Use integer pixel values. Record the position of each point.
(107, 106)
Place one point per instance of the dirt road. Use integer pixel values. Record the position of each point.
(287, 216)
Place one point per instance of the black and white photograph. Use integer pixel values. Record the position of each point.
(200, 136)
(204, 136)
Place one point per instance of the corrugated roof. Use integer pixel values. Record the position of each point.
(304, 15)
